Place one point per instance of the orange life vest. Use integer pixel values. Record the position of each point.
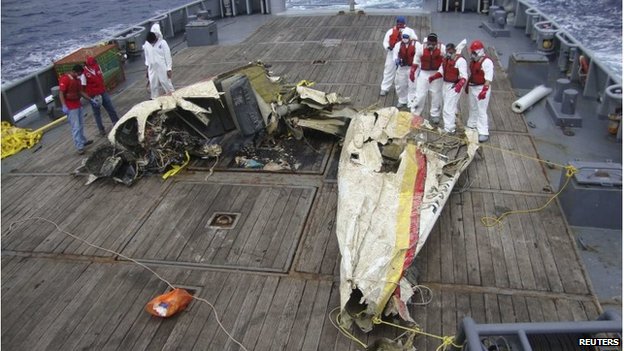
(431, 60)
(395, 36)
(406, 53)
(477, 75)
(451, 73)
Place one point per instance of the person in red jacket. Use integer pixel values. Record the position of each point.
(403, 54)
(92, 80)
(70, 91)
(454, 73)
(481, 71)
(427, 61)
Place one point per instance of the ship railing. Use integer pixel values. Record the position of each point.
(33, 92)
(518, 336)
(599, 81)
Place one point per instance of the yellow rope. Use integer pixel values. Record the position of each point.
(493, 221)
(446, 340)
(344, 331)
(16, 139)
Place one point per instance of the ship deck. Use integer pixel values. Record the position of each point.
(273, 278)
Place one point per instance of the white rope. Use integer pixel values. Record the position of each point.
(134, 261)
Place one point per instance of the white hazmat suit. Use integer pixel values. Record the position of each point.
(390, 65)
(450, 96)
(477, 117)
(405, 88)
(423, 86)
(158, 61)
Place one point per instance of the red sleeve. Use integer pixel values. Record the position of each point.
(63, 83)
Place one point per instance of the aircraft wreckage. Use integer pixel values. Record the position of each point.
(409, 168)
(159, 135)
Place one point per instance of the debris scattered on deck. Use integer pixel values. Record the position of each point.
(270, 117)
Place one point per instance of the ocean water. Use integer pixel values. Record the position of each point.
(596, 24)
(37, 32)
(359, 4)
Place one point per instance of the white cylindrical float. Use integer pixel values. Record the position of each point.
(530, 98)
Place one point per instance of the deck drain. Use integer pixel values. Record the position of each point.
(319, 62)
(223, 220)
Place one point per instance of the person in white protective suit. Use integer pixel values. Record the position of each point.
(392, 37)
(478, 89)
(403, 54)
(454, 74)
(158, 61)
(427, 61)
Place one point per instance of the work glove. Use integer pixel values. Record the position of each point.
(389, 48)
(459, 85)
(483, 92)
(397, 62)
(94, 103)
(437, 75)
(412, 75)
(65, 109)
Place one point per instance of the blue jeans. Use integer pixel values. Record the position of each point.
(108, 105)
(75, 121)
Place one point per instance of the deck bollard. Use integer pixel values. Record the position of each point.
(560, 85)
(568, 104)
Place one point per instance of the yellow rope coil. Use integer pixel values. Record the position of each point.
(16, 139)
(493, 221)
(446, 340)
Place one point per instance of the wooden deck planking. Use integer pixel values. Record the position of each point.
(531, 252)
(502, 168)
(501, 256)
(102, 217)
(267, 231)
(319, 239)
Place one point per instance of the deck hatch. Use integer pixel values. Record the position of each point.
(223, 220)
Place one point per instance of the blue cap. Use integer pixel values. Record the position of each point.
(401, 19)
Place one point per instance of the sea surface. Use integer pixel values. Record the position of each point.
(35, 33)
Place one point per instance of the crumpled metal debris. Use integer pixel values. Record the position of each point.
(154, 136)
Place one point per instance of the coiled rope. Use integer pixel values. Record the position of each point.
(489, 221)
(16, 139)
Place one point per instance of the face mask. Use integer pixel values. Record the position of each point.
(449, 55)
(431, 46)
(405, 40)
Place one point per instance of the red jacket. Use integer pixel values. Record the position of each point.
(407, 52)
(451, 73)
(431, 61)
(94, 77)
(70, 87)
(477, 75)
(395, 36)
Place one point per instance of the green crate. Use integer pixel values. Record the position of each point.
(107, 56)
